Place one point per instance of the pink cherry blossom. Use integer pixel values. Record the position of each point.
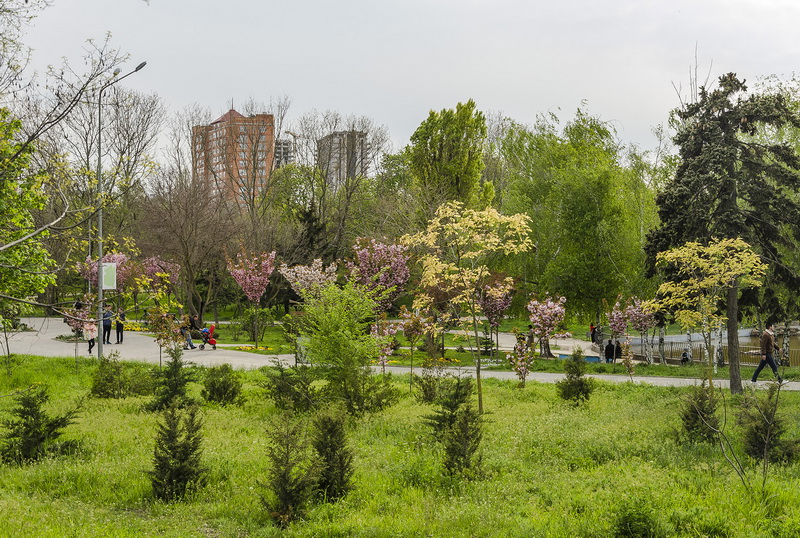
(308, 280)
(252, 274)
(126, 270)
(380, 267)
(162, 274)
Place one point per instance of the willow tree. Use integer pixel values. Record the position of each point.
(730, 185)
(446, 154)
(455, 250)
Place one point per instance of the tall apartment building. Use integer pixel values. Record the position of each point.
(342, 155)
(234, 155)
(284, 152)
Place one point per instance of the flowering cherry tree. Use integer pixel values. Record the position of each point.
(308, 280)
(521, 359)
(383, 331)
(617, 320)
(162, 274)
(545, 317)
(414, 326)
(494, 301)
(126, 269)
(252, 274)
(641, 318)
(380, 267)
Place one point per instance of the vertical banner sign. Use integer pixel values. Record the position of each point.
(109, 277)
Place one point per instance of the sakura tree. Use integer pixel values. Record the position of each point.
(252, 274)
(521, 359)
(384, 331)
(162, 274)
(126, 269)
(414, 326)
(494, 300)
(380, 267)
(641, 318)
(617, 320)
(308, 280)
(545, 316)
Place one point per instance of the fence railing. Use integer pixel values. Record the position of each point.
(748, 355)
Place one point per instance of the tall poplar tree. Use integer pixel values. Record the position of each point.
(729, 185)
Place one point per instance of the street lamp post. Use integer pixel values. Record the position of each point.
(100, 202)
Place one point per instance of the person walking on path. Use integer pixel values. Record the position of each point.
(120, 325)
(90, 332)
(107, 315)
(609, 352)
(187, 333)
(768, 348)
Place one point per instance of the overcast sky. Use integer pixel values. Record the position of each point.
(394, 60)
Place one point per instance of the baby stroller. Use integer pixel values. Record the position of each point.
(208, 338)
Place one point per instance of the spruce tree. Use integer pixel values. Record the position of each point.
(177, 462)
(730, 185)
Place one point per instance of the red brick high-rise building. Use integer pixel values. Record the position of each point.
(235, 154)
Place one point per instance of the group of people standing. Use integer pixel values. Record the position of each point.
(90, 328)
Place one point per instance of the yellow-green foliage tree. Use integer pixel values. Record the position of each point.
(455, 250)
(705, 273)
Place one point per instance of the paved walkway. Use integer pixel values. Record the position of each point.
(140, 347)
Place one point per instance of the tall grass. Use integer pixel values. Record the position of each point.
(549, 469)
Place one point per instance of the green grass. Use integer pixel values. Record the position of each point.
(550, 469)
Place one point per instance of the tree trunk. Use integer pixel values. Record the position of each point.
(733, 340)
(662, 355)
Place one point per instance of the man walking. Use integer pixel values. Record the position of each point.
(768, 348)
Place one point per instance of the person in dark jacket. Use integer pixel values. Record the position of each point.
(120, 327)
(107, 315)
(617, 351)
(768, 348)
(609, 352)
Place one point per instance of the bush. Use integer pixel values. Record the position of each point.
(292, 388)
(575, 386)
(177, 463)
(222, 385)
(291, 475)
(763, 427)
(432, 381)
(114, 379)
(31, 433)
(335, 458)
(337, 325)
(700, 422)
(360, 391)
(108, 378)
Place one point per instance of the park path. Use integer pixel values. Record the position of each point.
(140, 347)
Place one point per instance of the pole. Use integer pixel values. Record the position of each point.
(100, 202)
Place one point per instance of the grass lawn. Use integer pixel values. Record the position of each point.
(605, 468)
